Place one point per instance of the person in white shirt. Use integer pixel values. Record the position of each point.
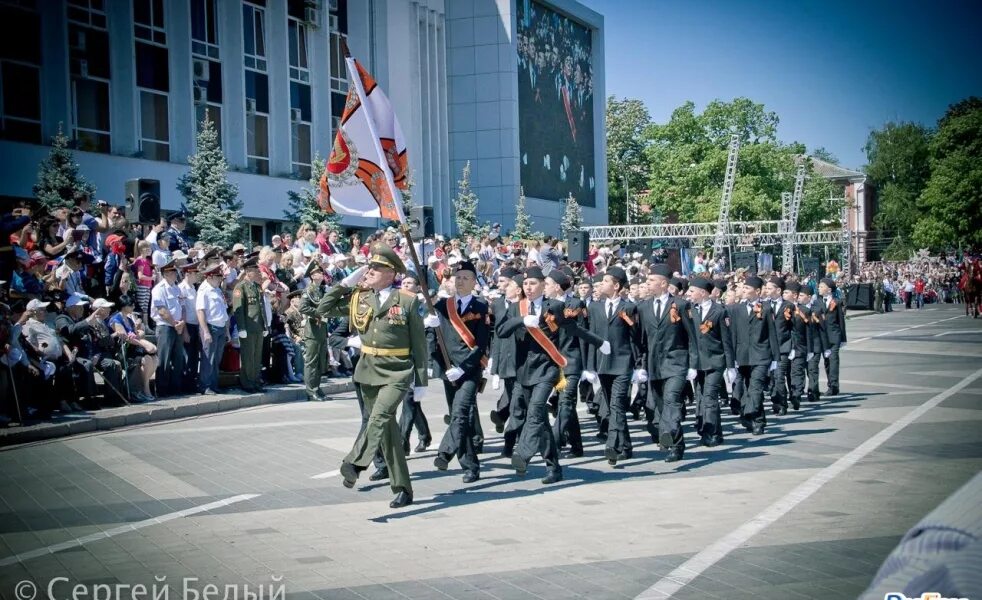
(192, 341)
(211, 312)
(167, 309)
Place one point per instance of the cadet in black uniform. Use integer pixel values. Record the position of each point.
(466, 325)
(755, 351)
(781, 313)
(800, 343)
(503, 349)
(712, 337)
(671, 358)
(835, 327)
(615, 320)
(819, 339)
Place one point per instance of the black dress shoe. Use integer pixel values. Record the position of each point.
(520, 465)
(795, 402)
(553, 477)
(601, 437)
(611, 455)
(674, 455)
(446, 419)
(379, 475)
(499, 424)
(734, 406)
(471, 477)
(441, 462)
(573, 454)
(636, 411)
(626, 454)
(350, 474)
(714, 440)
(506, 453)
(403, 498)
(422, 446)
(832, 391)
(758, 429)
(783, 411)
(665, 440)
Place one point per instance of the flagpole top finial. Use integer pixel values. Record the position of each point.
(344, 48)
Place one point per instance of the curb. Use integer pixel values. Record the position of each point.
(168, 409)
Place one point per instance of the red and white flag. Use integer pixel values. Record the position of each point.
(368, 166)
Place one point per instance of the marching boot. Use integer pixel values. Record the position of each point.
(403, 498)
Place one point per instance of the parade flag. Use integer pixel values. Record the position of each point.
(367, 168)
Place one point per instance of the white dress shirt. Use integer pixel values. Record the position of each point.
(165, 295)
(660, 303)
(463, 302)
(211, 300)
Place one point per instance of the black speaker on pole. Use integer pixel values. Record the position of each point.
(421, 222)
(143, 201)
(745, 260)
(578, 246)
(860, 296)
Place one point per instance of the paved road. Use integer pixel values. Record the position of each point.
(806, 510)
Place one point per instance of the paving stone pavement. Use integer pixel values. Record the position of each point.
(240, 497)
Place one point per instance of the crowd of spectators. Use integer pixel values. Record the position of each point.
(96, 311)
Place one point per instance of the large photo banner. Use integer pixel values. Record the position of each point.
(555, 105)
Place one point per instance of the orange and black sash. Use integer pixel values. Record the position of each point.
(462, 330)
(541, 338)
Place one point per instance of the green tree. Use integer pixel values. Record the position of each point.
(59, 181)
(466, 205)
(899, 167)
(687, 159)
(822, 154)
(303, 208)
(951, 202)
(212, 201)
(572, 217)
(523, 222)
(626, 121)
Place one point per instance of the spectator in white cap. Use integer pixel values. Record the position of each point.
(48, 355)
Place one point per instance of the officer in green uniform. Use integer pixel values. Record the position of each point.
(250, 318)
(314, 332)
(392, 340)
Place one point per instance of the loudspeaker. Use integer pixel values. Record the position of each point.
(745, 260)
(860, 296)
(578, 246)
(421, 222)
(143, 201)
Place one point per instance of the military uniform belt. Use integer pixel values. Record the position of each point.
(373, 351)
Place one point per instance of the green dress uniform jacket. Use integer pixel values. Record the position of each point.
(250, 317)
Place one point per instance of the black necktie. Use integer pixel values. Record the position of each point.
(610, 309)
(699, 311)
(658, 308)
(460, 307)
(532, 308)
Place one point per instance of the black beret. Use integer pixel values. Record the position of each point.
(777, 281)
(829, 282)
(793, 286)
(508, 272)
(681, 283)
(465, 265)
(808, 288)
(618, 274)
(703, 284)
(561, 278)
(720, 284)
(661, 270)
(755, 282)
(534, 273)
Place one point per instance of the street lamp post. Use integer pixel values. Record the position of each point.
(627, 200)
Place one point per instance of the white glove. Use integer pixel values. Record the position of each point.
(810, 356)
(791, 355)
(354, 341)
(454, 373)
(842, 344)
(731, 375)
(495, 382)
(418, 393)
(639, 376)
(431, 320)
(827, 353)
(242, 334)
(773, 366)
(605, 347)
(356, 276)
(589, 376)
(429, 372)
(690, 374)
(531, 321)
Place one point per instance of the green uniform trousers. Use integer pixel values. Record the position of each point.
(314, 357)
(251, 359)
(381, 403)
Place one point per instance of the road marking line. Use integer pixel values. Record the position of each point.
(168, 431)
(669, 585)
(968, 331)
(327, 475)
(101, 535)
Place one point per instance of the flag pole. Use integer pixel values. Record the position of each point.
(355, 79)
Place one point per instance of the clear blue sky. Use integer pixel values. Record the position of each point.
(831, 70)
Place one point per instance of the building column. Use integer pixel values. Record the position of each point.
(56, 96)
(180, 104)
(278, 62)
(123, 106)
(233, 84)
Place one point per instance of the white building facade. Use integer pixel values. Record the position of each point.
(129, 80)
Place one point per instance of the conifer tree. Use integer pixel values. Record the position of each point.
(523, 223)
(572, 217)
(303, 207)
(465, 206)
(59, 181)
(214, 209)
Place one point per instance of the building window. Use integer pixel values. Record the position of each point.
(256, 87)
(300, 109)
(206, 70)
(152, 78)
(148, 21)
(204, 28)
(299, 69)
(20, 72)
(88, 65)
(338, 32)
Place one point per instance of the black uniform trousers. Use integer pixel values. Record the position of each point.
(707, 386)
(832, 367)
(536, 436)
(781, 382)
(567, 426)
(458, 439)
(192, 356)
(517, 411)
(478, 430)
(812, 371)
(798, 367)
(588, 397)
(667, 397)
(412, 416)
(752, 402)
(613, 420)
